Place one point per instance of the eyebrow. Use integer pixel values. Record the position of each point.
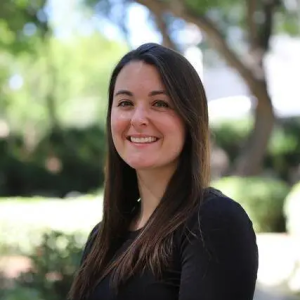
(160, 92)
(153, 93)
(123, 92)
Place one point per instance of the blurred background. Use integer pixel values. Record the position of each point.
(56, 58)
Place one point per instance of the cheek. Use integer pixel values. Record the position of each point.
(181, 138)
(180, 135)
(118, 124)
(178, 129)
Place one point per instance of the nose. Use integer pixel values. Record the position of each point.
(139, 116)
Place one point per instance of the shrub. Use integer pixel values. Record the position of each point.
(283, 151)
(19, 293)
(54, 264)
(292, 209)
(69, 160)
(284, 148)
(262, 198)
(231, 135)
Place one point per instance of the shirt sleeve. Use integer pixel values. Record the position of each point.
(219, 255)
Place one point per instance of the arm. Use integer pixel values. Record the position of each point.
(219, 260)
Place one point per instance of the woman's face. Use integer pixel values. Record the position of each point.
(146, 130)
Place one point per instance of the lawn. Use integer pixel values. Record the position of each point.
(23, 221)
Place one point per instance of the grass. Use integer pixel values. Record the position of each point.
(23, 221)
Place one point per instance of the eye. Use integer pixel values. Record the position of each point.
(124, 103)
(161, 103)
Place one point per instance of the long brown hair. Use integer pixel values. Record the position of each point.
(152, 248)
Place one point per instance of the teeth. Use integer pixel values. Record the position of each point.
(143, 140)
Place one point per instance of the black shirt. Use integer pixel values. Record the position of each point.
(221, 263)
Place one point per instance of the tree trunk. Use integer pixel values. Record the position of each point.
(50, 98)
(251, 69)
(251, 159)
(163, 28)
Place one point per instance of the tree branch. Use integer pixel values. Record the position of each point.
(251, 71)
(212, 33)
(265, 33)
(251, 7)
(161, 24)
(163, 28)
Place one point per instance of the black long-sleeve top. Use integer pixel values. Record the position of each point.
(221, 263)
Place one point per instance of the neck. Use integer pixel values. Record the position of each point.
(152, 185)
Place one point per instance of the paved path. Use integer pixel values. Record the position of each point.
(263, 294)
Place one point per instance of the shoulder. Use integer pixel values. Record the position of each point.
(219, 221)
(217, 208)
(217, 250)
(90, 240)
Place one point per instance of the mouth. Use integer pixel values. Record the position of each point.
(142, 140)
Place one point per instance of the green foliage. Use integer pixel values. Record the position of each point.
(81, 154)
(65, 161)
(288, 20)
(229, 17)
(231, 135)
(284, 148)
(55, 114)
(74, 73)
(22, 24)
(20, 293)
(201, 7)
(282, 155)
(54, 264)
(292, 209)
(262, 198)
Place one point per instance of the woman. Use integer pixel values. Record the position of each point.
(164, 234)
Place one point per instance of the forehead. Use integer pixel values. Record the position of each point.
(137, 75)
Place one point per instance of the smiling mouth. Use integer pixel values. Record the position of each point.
(142, 140)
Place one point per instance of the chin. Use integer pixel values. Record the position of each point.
(142, 167)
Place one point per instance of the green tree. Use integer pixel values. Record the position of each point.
(56, 76)
(81, 66)
(257, 20)
(22, 23)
